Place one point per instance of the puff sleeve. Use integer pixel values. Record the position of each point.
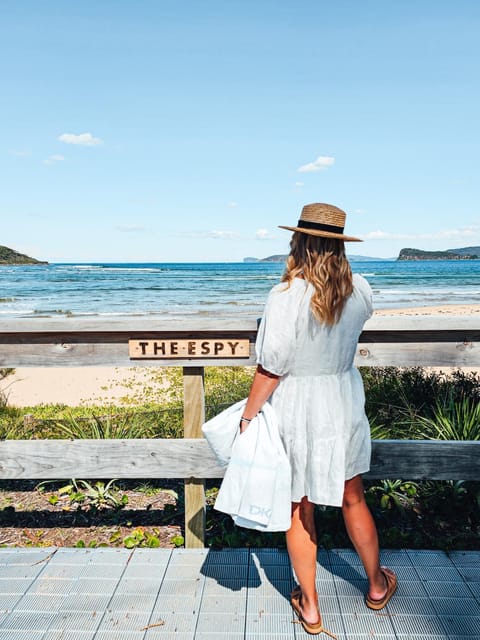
(276, 339)
(366, 292)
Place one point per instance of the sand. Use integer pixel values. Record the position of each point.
(446, 310)
(73, 386)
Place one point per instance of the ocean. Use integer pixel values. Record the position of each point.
(234, 290)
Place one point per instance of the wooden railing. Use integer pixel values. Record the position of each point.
(399, 341)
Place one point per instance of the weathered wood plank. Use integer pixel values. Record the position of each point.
(129, 324)
(95, 355)
(425, 459)
(455, 354)
(405, 341)
(424, 336)
(136, 458)
(61, 459)
(194, 417)
(125, 324)
(443, 354)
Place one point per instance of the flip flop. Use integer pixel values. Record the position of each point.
(391, 580)
(313, 628)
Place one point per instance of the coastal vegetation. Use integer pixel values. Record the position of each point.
(10, 256)
(401, 403)
(450, 254)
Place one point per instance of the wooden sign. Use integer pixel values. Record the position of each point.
(188, 349)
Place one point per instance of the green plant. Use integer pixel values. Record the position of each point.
(101, 427)
(4, 373)
(178, 541)
(224, 386)
(101, 495)
(93, 544)
(141, 538)
(396, 397)
(379, 431)
(395, 494)
(92, 496)
(452, 421)
(148, 489)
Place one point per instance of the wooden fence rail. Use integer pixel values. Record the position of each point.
(398, 341)
(192, 458)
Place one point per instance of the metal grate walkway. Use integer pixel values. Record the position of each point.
(117, 594)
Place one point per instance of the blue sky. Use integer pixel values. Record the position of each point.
(174, 131)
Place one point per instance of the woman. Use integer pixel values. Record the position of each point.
(305, 350)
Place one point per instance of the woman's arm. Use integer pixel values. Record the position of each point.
(263, 385)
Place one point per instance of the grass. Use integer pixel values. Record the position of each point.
(154, 411)
(400, 403)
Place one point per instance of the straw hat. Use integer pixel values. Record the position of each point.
(320, 219)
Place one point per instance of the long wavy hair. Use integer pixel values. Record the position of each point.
(323, 263)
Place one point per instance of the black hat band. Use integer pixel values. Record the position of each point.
(303, 224)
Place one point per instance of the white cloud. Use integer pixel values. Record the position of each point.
(445, 234)
(20, 153)
(54, 159)
(83, 139)
(299, 184)
(359, 211)
(467, 232)
(320, 164)
(217, 234)
(223, 235)
(131, 228)
(263, 234)
(232, 205)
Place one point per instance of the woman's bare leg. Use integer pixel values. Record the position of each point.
(363, 534)
(302, 549)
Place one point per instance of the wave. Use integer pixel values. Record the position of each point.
(83, 267)
(134, 269)
(54, 312)
(91, 267)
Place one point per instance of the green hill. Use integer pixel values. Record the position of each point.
(10, 256)
(466, 251)
(451, 254)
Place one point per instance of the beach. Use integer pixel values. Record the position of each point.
(438, 310)
(74, 386)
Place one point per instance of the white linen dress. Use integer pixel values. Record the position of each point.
(320, 400)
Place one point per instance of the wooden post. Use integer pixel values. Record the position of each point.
(193, 418)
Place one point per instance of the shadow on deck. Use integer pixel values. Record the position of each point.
(117, 594)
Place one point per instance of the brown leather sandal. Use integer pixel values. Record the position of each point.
(313, 628)
(391, 580)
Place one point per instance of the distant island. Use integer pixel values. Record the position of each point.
(282, 258)
(465, 253)
(10, 256)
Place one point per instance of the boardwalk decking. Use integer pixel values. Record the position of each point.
(145, 594)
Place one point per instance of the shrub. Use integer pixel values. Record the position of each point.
(396, 398)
